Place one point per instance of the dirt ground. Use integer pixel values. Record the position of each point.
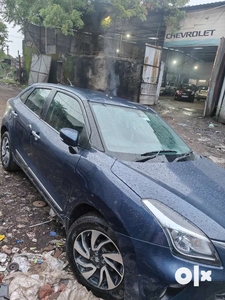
(205, 136)
(19, 215)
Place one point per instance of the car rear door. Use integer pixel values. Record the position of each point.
(27, 112)
(53, 164)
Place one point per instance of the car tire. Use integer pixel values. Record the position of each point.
(95, 258)
(6, 153)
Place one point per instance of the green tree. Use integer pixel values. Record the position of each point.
(69, 15)
(65, 15)
(3, 34)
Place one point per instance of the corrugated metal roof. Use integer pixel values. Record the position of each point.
(205, 5)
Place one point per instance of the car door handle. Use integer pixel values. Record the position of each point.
(14, 113)
(36, 135)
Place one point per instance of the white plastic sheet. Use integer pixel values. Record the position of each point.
(26, 284)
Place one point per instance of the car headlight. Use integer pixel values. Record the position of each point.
(184, 238)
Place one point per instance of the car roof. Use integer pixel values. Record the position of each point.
(94, 96)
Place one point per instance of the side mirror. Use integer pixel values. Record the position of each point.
(69, 136)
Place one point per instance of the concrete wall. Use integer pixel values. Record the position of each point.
(121, 77)
(116, 72)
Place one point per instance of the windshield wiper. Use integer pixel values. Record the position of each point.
(183, 156)
(154, 154)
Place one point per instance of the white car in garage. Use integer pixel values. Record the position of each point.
(202, 93)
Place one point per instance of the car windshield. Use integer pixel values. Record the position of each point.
(131, 133)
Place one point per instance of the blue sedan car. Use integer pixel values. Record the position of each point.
(144, 215)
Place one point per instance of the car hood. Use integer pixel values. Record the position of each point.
(195, 189)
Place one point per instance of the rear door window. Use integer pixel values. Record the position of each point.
(24, 96)
(36, 100)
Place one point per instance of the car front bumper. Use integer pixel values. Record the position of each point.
(150, 274)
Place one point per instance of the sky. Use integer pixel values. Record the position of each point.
(16, 38)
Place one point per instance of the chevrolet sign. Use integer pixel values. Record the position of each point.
(202, 27)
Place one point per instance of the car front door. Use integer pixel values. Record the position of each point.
(51, 156)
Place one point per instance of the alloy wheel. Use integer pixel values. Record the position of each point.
(5, 151)
(98, 259)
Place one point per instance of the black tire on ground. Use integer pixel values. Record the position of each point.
(93, 255)
(6, 153)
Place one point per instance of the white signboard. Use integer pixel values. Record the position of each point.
(198, 28)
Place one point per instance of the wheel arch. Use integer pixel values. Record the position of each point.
(79, 211)
(3, 129)
(83, 208)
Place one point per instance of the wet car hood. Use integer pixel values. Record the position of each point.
(195, 189)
